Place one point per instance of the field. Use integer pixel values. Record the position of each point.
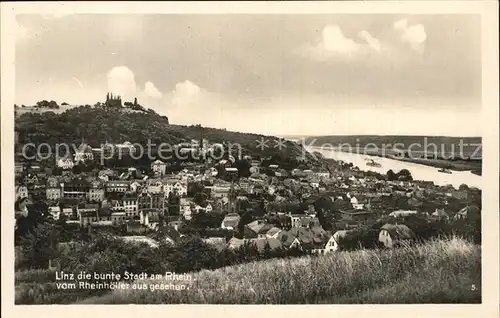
(439, 271)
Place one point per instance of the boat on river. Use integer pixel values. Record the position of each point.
(373, 163)
(443, 170)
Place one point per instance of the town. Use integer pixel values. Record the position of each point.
(233, 200)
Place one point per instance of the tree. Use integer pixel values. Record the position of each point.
(463, 187)
(38, 246)
(192, 254)
(245, 218)
(391, 176)
(404, 175)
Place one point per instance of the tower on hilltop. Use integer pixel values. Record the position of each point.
(113, 100)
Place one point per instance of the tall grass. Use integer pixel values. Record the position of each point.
(439, 271)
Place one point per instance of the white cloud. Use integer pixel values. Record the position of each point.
(335, 41)
(121, 80)
(186, 92)
(150, 90)
(372, 41)
(414, 35)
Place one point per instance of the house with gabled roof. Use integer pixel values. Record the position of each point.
(392, 235)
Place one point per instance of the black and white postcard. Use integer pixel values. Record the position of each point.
(238, 153)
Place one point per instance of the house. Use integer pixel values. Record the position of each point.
(65, 163)
(87, 217)
(186, 210)
(118, 150)
(392, 235)
(158, 201)
(356, 215)
(231, 221)
(150, 218)
(144, 201)
(259, 243)
(96, 191)
(155, 186)
(231, 172)
(21, 192)
(310, 238)
(159, 168)
(467, 212)
(288, 240)
(115, 206)
(333, 243)
(209, 208)
(295, 219)
(258, 228)
(19, 168)
(310, 221)
(107, 175)
(273, 232)
(83, 153)
(104, 213)
(219, 191)
(402, 213)
(30, 178)
(85, 208)
(118, 218)
(53, 189)
(67, 210)
(440, 214)
(55, 211)
(322, 174)
(75, 188)
(117, 186)
(176, 187)
(130, 207)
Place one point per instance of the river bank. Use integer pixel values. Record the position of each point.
(418, 170)
(473, 165)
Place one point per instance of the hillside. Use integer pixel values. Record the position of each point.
(97, 125)
(439, 271)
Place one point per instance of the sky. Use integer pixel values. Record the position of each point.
(270, 74)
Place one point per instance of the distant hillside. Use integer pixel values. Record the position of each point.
(248, 142)
(444, 144)
(440, 271)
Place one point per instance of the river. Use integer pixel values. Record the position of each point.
(418, 171)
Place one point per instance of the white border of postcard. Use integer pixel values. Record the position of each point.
(490, 249)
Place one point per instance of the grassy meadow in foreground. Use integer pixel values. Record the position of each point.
(439, 271)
